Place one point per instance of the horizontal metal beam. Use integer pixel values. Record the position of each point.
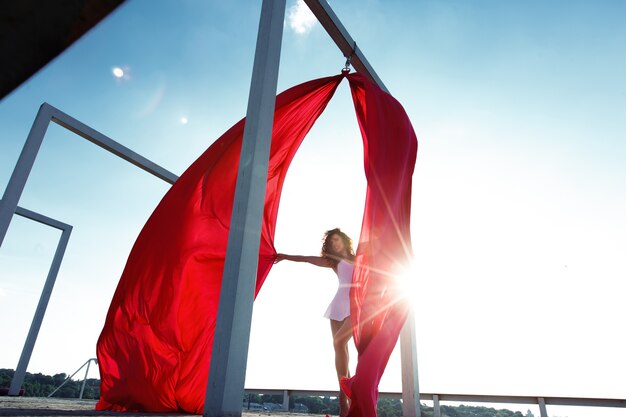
(329, 21)
(511, 399)
(108, 144)
(40, 218)
(504, 399)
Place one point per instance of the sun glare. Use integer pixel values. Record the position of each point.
(118, 72)
(407, 282)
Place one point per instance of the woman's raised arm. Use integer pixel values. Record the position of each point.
(314, 260)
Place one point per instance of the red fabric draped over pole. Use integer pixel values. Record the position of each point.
(155, 348)
(378, 307)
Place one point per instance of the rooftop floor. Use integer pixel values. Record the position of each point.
(34, 406)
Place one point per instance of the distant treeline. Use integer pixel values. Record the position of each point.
(39, 385)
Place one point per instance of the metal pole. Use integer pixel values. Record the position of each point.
(82, 387)
(542, 407)
(69, 378)
(338, 33)
(108, 144)
(22, 169)
(408, 358)
(436, 406)
(285, 400)
(225, 386)
(27, 351)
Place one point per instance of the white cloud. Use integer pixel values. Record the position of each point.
(301, 19)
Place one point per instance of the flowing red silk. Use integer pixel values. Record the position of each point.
(155, 348)
(378, 307)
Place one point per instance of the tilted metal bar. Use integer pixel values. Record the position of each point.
(69, 378)
(44, 299)
(109, 144)
(22, 169)
(329, 21)
(82, 387)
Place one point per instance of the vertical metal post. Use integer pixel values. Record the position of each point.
(82, 387)
(20, 371)
(436, 407)
(410, 383)
(232, 329)
(542, 407)
(285, 400)
(22, 169)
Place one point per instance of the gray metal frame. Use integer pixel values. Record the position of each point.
(45, 115)
(338, 33)
(33, 332)
(15, 187)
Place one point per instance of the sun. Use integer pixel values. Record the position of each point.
(406, 280)
(118, 72)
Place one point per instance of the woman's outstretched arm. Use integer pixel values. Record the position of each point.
(314, 260)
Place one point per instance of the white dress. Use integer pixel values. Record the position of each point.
(339, 307)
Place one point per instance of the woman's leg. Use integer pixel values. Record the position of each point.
(342, 332)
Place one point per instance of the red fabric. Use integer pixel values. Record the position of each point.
(378, 308)
(155, 348)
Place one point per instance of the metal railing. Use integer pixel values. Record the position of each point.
(542, 402)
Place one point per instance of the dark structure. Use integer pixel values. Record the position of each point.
(34, 32)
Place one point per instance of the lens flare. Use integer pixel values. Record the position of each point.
(406, 280)
(118, 72)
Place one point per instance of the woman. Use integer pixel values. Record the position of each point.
(337, 253)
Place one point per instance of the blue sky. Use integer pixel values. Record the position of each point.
(518, 198)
